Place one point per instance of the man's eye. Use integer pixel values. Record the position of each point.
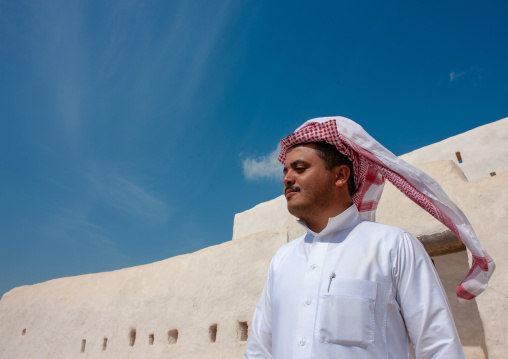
(300, 169)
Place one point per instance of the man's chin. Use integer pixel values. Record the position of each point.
(294, 209)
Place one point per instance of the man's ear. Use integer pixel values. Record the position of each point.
(342, 174)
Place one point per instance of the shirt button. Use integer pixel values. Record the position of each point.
(302, 342)
(308, 301)
(313, 266)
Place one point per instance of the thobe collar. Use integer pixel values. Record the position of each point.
(349, 218)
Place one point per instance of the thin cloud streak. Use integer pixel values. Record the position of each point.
(73, 230)
(60, 58)
(134, 199)
(206, 46)
(72, 225)
(128, 196)
(263, 167)
(474, 73)
(454, 76)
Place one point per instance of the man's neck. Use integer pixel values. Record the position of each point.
(317, 226)
(320, 222)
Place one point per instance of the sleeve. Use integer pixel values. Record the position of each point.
(259, 344)
(423, 303)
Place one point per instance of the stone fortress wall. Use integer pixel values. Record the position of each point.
(200, 305)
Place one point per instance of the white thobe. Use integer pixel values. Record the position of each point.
(357, 289)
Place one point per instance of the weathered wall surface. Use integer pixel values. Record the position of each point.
(483, 150)
(218, 286)
(200, 305)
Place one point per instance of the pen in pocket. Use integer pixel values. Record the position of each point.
(330, 283)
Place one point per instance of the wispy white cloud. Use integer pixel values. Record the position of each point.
(473, 74)
(128, 196)
(59, 57)
(72, 225)
(69, 232)
(186, 51)
(136, 200)
(207, 44)
(263, 167)
(454, 76)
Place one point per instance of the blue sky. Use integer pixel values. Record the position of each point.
(133, 131)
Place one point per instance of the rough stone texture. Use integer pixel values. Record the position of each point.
(218, 287)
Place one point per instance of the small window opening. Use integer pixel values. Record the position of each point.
(104, 344)
(83, 345)
(213, 333)
(151, 339)
(492, 174)
(243, 331)
(132, 340)
(173, 336)
(459, 157)
(23, 332)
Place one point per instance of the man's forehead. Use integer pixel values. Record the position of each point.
(303, 144)
(299, 153)
(298, 148)
(301, 147)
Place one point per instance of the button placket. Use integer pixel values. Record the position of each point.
(307, 312)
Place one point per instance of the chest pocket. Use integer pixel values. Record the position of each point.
(346, 312)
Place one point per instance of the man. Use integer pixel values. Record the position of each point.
(352, 288)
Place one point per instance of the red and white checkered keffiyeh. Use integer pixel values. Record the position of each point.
(372, 165)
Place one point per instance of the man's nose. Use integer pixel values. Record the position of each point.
(288, 179)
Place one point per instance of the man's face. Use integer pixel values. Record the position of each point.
(307, 183)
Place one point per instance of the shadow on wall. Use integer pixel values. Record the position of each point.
(451, 269)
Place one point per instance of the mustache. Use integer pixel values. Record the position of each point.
(297, 189)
